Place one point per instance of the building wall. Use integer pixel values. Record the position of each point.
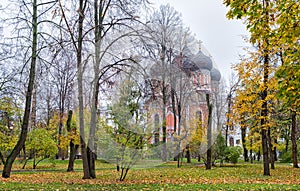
(194, 108)
(234, 136)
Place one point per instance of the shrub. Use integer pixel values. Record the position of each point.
(233, 154)
(286, 156)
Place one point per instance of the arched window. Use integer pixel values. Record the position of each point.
(156, 128)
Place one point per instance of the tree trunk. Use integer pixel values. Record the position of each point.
(246, 157)
(164, 126)
(251, 157)
(49, 112)
(265, 150)
(86, 171)
(25, 123)
(60, 152)
(275, 154)
(209, 124)
(287, 139)
(228, 117)
(271, 151)
(174, 113)
(72, 157)
(178, 159)
(164, 105)
(91, 155)
(60, 125)
(73, 147)
(174, 108)
(264, 112)
(33, 109)
(294, 141)
(188, 154)
(34, 161)
(178, 150)
(93, 122)
(25, 162)
(251, 152)
(123, 174)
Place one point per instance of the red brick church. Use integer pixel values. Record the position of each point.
(190, 76)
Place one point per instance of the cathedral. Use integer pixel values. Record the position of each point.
(179, 91)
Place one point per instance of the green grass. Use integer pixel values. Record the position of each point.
(159, 187)
(242, 176)
(55, 165)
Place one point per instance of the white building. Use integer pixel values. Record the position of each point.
(234, 136)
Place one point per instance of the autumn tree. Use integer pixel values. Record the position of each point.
(275, 34)
(247, 102)
(232, 120)
(259, 20)
(10, 114)
(288, 71)
(41, 144)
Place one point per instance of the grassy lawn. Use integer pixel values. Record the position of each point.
(242, 176)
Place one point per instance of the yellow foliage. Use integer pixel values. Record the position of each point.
(197, 134)
(247, 104)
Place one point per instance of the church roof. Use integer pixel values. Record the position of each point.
(189, 66)
(187, 52)
(202, 61)
(215, 74)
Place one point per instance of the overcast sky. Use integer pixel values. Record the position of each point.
(207, 19)
(220, 36)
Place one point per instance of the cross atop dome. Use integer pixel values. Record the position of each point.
(200, 44)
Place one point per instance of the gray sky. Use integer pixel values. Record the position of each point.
(207, 19)
(220, 36)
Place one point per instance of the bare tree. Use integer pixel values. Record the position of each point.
(111, 23)
(162, 29)
(111, 18)
(77, 43)
(63, 75)
(33, 59)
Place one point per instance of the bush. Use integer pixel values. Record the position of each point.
(220, 148)
(233, 154)
(286, 157)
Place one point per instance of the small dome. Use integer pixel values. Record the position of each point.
(186, 52)
(189, 66)
(215, 74)
(185, 62)
(202, 61)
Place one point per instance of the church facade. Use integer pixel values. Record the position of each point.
(179, 100)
